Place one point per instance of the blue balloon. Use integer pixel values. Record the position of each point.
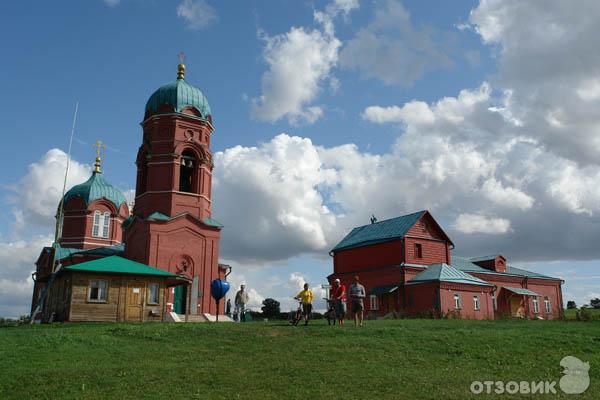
(219, 288)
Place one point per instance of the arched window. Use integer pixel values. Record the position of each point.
(106, 225)
(101, 225)
(187, 169)
(142, 182)
(96, 226)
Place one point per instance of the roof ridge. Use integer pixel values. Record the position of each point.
(389, 219)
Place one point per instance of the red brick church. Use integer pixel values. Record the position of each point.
(108, 264)
(407, 267)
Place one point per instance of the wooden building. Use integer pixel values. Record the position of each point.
(407, 267)
(110, 289)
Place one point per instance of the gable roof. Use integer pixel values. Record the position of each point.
(382, 231)
(118, 265)
(446, 273)
(466, 265)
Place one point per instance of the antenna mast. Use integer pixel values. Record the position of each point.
(61, 211)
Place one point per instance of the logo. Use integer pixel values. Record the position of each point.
(576, 379)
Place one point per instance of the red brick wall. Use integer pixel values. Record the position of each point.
(466, 293)
(433, 251)
(376, 255)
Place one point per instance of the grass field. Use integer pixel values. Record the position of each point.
(398, 359)
(593, 312)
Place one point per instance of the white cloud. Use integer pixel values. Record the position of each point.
(417, 112)
(299, 62)
(284, 212)
(548, 58)
(506, 196)
(391, 49)
(197, 14)
(17, 259)
(342, 6)
(477, 223)
(37, 194)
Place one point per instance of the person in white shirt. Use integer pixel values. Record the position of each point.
(241, 299)
(357, 293)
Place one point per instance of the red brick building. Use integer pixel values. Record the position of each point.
(407, 267)
(170, 227)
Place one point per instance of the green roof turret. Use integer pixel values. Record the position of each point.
(178, 95)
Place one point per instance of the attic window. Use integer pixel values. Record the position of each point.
(418, 250)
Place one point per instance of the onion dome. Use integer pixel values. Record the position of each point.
(177, 96)
(94, 189)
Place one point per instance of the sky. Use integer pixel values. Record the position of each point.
(325, 112)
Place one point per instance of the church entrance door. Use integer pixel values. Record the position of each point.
(134, 301)
(179, 299)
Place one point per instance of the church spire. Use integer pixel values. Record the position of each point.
(98, 145)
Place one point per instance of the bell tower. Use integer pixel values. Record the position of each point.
(174, 162)
(171, 227)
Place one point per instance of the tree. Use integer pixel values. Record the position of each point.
(595, 302)
(270, 308)
(571, 305)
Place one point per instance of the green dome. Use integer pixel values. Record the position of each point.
(96, 188)
(178, 94)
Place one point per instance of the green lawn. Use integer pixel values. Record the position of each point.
(400, 359)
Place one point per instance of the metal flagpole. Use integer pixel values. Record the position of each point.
(59, 223)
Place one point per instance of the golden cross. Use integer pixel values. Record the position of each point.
(99, 145)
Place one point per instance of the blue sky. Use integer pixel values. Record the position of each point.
(470, 110)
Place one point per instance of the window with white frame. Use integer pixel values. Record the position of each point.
(106, 226)
(536, 305)
(476, 303)
(96, 227)
(98, 290)
(101, 226)
(457, 301)
(153, 293)
(373, 302)
(494, 301)
(547, 305)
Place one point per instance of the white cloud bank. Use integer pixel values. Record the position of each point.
(197, 14)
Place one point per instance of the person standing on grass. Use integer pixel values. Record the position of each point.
(228, 308)
(338, 295)
(306, 299)
(356, 291)
(241, 299)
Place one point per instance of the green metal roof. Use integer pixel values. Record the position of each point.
(158, 216)
(465, 264)
(178, 94)
(383, 231)
(118, 265)
(212, 222)
(383, 289)
(64, 252)
(446, 273)
(521, 291)
(96, 188)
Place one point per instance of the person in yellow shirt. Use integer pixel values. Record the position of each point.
(306, 299)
